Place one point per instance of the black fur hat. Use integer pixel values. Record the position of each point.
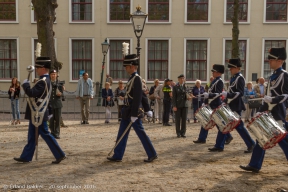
(277, 53)
(131, 59)
(233, 63)
(218, 68)
(43, 62)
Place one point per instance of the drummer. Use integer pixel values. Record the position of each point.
(279, 94)
(214, 90)
(236, 104)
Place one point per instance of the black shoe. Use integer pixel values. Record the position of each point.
(215, 149)
(249, 168)
(183, 136)
(167, 124)
(199, 141)
(82, 122)
(56, 137)
(149, 160)
(21, 160)
(86, 122)
(178, 136)
(250, 149)
(59, 160)
(112, 159)
(228, 140)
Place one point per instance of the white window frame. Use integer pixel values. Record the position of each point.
(121, 22)
(276, 22)
(146, 56)
(160, 22)
(263, 49)
(240, 22)
(247, 56)
(83, 22)
(108, 54)
(33, 52)
(70, 57)
(205, 23)
(208, 57)
(17, 13)
(18, 64)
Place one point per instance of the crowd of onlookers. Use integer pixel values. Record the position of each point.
(159, 102)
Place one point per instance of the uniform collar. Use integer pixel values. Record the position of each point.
(236, 75)
(278, 70)
(45, 75)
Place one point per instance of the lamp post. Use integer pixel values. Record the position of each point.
(105, 47)
(138, 21)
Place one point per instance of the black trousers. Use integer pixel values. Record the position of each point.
(180, 118)
(166, 111)
(54, 122)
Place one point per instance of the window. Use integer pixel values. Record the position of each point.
(116, 69)
(196, 60)
(81, 11)
(158, 59)
(197, 10)
(158, 10)
(8, 10)
(242, 13)
(242, 56)
(8, 58)
(119, 10)
(276, 10)
(268, 45)
(81, 57)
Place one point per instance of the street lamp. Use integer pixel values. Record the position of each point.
(138, 21)
(105, 47)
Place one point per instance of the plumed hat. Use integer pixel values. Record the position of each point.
(131, 59)
(43, 62)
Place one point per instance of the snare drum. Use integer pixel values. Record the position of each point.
(225, 118)
(266, 130)
(203, 115)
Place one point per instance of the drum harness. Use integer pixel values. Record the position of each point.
(38, 112)
(210, 91)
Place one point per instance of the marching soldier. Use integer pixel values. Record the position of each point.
(36, 94)
(56, 105)
(235, 93)
(180, 106)
(134, 102)
(279, 91)
(215, 88)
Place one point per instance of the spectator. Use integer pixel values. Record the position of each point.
(197, 100)
(167, 90)
(119, 98)
(14, 92)
(260, 87)
(144, 87)
(109, 79)
(107, 96)
(159, 95)
(152, 95)
(208, 84)
(85, 93)
(56, 104)
(249, 93)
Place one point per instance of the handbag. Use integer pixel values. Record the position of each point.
(120, 101)
(254, 104)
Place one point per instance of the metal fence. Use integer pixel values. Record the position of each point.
(70, 111)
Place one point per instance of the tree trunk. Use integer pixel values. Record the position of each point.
(235, 30)
(45, 15)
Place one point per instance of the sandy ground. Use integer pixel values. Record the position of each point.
(181, 166)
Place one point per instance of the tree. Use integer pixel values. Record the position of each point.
(235, 30)
(44, 11)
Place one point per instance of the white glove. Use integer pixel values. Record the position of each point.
(216, 94)
(133, 119)
(203, 104)
(26, 81)
(149, 113)
(258, 113)
(206, 95)
(224, 93)
(267, 99)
